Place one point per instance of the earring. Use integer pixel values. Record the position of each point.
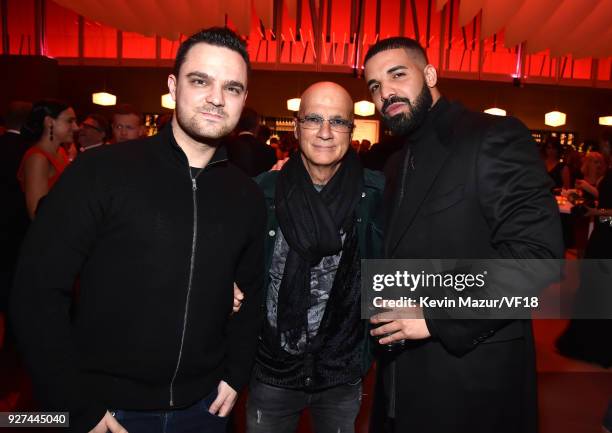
(51, 133)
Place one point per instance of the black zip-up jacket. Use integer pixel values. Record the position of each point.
(156, 250)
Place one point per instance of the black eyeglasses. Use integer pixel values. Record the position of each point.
(88, 126)
(316, 122)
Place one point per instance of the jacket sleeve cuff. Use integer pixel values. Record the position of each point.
(431, 327)
(85, 421)
(235, 380)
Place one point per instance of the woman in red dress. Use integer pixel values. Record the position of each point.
(50, 124)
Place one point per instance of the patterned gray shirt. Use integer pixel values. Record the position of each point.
(321, 282)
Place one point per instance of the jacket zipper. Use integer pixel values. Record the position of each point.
(194, 189)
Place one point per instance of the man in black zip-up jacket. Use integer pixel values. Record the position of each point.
(157, 230)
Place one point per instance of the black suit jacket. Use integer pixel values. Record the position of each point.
(13, 218)
(250, 155)
(478, 190)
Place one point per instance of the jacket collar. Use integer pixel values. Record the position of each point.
(167, 135)
(432, 150)
(439, 121)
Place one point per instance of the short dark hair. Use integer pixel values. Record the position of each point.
(162, 120)
(555, 142)
(394, 43)
(34, 125)
(264, 133)
(217, 36)
(17, 114)
(249, 120)
(102, 122)
(125, 109)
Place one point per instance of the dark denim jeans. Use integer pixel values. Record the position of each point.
(192, 419)
(277, 410)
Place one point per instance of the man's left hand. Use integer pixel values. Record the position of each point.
(226, 398)
(400, 329)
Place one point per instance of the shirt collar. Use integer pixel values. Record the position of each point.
(84, 148)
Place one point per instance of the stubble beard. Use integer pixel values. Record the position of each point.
(195, 128)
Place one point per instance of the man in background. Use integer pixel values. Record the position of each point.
(128, 123)
(93, 132)
(13, 217)
(245, 150)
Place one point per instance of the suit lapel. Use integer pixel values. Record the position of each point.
(431, 160)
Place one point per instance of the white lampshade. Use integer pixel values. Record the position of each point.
(103, 98)
(554, 118)
(495, 111)
(293, 104)
(167, 101)
(364, 108)
(605, 120)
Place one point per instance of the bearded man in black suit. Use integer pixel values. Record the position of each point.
(465, 185)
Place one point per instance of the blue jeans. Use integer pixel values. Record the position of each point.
(192, 419)
(277, 410)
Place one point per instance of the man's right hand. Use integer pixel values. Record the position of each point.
(108, 423)
(238, 298)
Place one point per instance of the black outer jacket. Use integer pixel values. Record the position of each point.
(478, 190)
(156, 252)
(332, 364)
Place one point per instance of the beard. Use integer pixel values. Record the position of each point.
(200, 129)
(404, 123)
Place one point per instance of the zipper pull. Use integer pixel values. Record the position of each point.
(194, 186)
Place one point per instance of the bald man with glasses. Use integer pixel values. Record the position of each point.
(93, 132)
(321, 222)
